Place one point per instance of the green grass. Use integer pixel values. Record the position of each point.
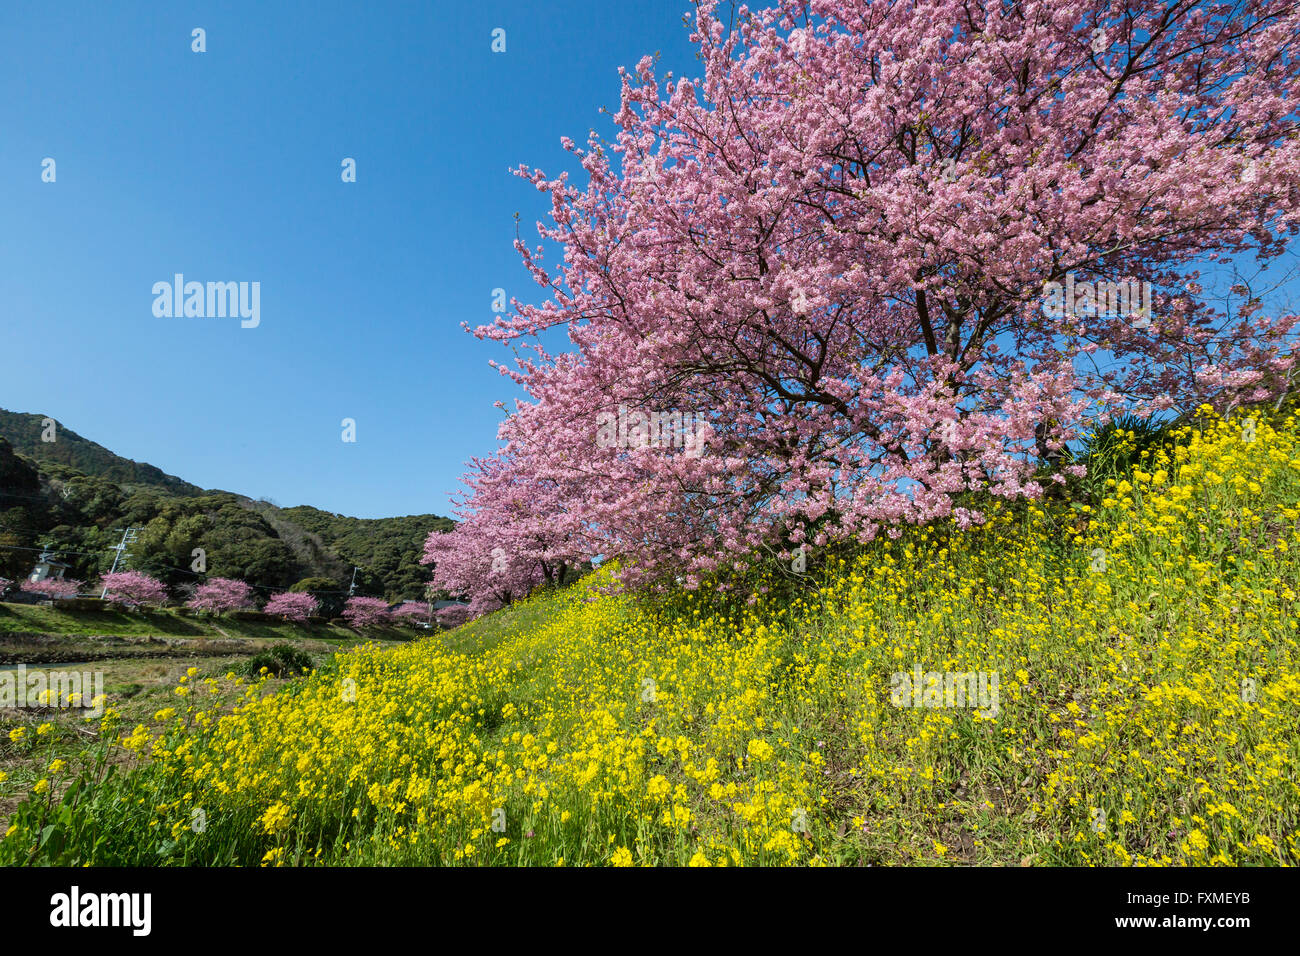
(166, 623)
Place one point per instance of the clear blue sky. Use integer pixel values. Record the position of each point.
(225, 166)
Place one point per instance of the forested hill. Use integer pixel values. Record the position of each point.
(24, 433)
(391, 543)
(73, 497)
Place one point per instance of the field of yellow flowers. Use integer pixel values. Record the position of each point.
(1145, 652)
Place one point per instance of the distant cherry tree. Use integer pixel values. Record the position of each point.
(453, 615)
(412, 612)
(292, 606)
(52, 587)
(518, 531)
(131, 588)
(221, 594)
(366, 612)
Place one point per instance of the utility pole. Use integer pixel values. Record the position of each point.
(353, 586)
(128, 537)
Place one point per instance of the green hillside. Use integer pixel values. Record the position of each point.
(392, 544)
(24, 432)
(74, 498)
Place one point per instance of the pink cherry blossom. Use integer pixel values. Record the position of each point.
(52, 587)
(221, 594)
(840, 246)
(132, 588)
(412, 612)
(366, 612)
(292, 606)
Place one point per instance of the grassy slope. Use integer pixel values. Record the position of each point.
(1147, 658)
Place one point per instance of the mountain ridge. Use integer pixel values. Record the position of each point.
(24, 431)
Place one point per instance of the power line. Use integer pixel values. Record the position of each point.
(6, 494)
(14, 547)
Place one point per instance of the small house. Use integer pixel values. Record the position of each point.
(47, 568)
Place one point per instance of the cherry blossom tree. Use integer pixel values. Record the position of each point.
(454, 615)
(412, 612)
(844, 247)
(363, 612)
(517, 532)
(221, 594)
(132, 588)
(292, 606)
(52, 587)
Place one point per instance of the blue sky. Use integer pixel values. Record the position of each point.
(225, 166)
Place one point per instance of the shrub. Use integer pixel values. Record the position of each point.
(248, 614)
(282, 660)
(83, 604)
(1111, 451)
